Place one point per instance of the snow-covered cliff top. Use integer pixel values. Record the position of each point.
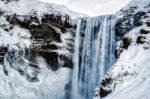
(25, 7)
(136, 5)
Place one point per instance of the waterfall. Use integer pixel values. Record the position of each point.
(76, 63)
(93, 54)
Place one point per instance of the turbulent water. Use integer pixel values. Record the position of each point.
(94, 54)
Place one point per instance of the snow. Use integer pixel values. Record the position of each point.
(67, 39)
(26, 7)
(15, 38)
(51, 85)
(131, 72)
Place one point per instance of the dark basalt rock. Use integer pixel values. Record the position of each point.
(45, 33)
(51, 58)
(105, 82)
(56, 20)
(3, 51)
(137, 18)
(125, 24)
(117, 53)
(103, 92)
(45, 51)
(14, 20)
(140, 40)
(66, 61)
(126, 42)
(49, 46)
(148, 24)
(121, 28)
(1, 12)
(7, 1)
(142, 31)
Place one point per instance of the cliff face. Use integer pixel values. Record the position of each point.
(35, 36)
(129, 76)
(46, 33)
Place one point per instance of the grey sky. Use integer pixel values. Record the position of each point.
(92, 7)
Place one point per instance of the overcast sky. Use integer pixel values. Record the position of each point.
(92, 7)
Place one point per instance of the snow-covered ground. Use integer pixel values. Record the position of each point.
(131, 72)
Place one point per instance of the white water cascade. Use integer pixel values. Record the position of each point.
(94, 54)
(76, 62)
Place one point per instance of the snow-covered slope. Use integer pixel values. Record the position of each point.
(26, 7)
(130, 75)
(129, 78)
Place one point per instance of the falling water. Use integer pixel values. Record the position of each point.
(94, 54)
(76, 63)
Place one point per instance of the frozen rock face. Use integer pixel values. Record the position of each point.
(49, 35)
(129, 76)
(131, 16)
(36, 46)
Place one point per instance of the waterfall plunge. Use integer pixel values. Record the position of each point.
(94, 54)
